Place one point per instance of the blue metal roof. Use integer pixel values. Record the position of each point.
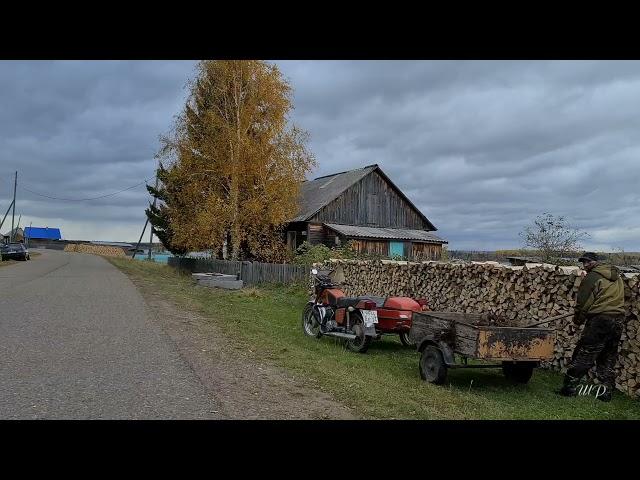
(42, 232)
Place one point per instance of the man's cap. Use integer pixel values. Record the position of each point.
(589, 257)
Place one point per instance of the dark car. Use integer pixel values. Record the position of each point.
(15, 251)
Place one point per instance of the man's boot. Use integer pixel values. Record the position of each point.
(569, 386)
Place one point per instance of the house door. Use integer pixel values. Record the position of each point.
(396, 249)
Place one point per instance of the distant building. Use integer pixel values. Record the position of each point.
(18, 235)
(42, 233)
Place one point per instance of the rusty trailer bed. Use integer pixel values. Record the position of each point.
(460, 333)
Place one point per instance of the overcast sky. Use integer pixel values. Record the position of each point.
(480, 147)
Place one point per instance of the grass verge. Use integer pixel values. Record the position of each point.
(383, 383)
(4, 263)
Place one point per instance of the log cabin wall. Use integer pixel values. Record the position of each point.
(371, 202)
(318, 233)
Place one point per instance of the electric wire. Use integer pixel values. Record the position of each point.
(51, 197)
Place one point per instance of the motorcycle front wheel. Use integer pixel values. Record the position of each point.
(310, 325)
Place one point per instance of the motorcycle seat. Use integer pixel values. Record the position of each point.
(345, 302)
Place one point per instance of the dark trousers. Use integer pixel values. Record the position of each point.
(598, 345)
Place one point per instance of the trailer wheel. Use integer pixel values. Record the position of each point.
(404, 339)
(432, 367)
(361, 343)
(518, 372)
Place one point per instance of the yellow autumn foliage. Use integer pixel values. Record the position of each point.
(233, 164)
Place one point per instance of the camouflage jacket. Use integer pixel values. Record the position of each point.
(601, 291)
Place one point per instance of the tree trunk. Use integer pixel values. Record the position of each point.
(236, 236)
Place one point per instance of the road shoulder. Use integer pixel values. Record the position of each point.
(244, 387)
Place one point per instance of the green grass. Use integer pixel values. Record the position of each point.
(384, 382)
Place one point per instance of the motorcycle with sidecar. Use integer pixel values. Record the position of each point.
(357, 320)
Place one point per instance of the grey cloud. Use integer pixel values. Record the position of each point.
(82, 129)
(480, 147)
(485, 146)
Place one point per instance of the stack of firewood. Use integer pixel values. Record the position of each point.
(95, 249)
(521, 295)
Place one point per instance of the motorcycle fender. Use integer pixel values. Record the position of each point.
(447, 353)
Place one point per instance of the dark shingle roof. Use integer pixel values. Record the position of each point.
(317, 193)
(386, 233)
(321, 191)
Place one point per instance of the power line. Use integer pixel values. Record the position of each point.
(51, 197)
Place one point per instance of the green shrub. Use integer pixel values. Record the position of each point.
(307, 254)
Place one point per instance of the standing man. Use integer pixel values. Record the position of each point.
(600, 304)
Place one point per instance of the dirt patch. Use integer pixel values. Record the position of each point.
(245, 388)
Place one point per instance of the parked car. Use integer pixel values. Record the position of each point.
(15, 251)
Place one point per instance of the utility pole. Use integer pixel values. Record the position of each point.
(13, 214)
(151, 229)
(140, 239)
(29, 237)
(5, 215)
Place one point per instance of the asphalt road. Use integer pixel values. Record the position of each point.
(77, 342)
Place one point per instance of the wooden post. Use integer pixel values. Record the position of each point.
(140, 239)
(18, 225)
(5, 215)
(13, 214)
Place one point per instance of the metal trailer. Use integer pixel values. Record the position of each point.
(439, 336)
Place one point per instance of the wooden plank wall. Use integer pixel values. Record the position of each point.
(371, 202)
(371, 247)
(426, 251)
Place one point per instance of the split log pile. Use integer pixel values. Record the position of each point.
(514, 295)
(95, 249)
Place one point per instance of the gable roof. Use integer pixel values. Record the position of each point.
(316, 194)
(320, 192)
(40, 232)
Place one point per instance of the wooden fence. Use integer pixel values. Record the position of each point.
(251, 273)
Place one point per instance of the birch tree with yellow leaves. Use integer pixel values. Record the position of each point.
(233, 162)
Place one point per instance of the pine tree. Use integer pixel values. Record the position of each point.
(158, 214)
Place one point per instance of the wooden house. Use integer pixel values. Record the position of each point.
(365, 207)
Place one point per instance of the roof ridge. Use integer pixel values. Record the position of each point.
(346, 171)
